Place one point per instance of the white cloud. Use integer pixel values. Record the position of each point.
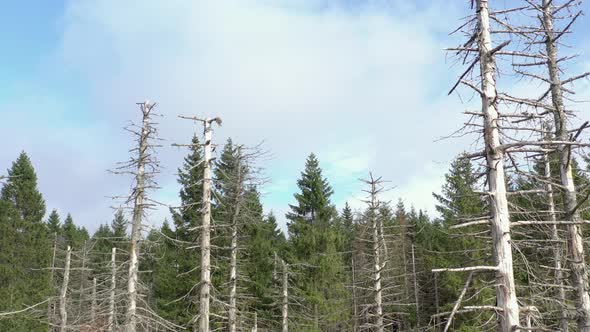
(363, 87)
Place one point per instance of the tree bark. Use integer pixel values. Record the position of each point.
(560, 292)
(93, 303)
(285, 308)
(206, 232)
(51, 303)
(111, 317)
(138, 211)
(63, 313)
(579, 275)
(500, 219)
(234, 249)
(416, 290)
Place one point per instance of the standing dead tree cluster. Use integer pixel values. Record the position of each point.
(508, 128)
(384, 282)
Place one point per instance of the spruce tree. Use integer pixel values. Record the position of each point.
(313, 239)
(178, 301)
(25, 247)
(54, 223)
(459, 200)
(119, 225)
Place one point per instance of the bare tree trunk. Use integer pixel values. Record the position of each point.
(377, 272)
(93, 305)
(233, 278)
(255, 327)
(416, 291)
(82, 277)
(579, 276)
(563, 322)
(285, 309)
(436, 304)
(51, 303)
(458, 304)
(206, 231)
(63, 313)
(138, 211)
(500, 219)
(111, 318)
(354, 299)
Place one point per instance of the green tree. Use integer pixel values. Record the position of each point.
(313, 239)
(458, 201)
(54, 223)
(25, 247)
(177, 271)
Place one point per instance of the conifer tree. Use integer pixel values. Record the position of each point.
(73, 235)
(457, 202)
(25, 247)
(179, 301)
(313, 238)
(119, 225)
(53, 223)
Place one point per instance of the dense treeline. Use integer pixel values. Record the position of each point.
(327, 251)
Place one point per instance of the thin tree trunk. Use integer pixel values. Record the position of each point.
(111, 317)
(416, 290)
(138, 210)
(82, 277)
(206, 232)
(233, 278)
(436, 304)
(51, 303)
(563, 321)
(63, 313)
(458, 304)
(377, 258)
(354, 299)
(93, 305)
(255, 327)
(579, 276)
(285, 309)
(500, 219)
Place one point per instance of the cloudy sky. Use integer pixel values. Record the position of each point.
(360, 83)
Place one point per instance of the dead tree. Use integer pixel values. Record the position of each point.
(494, 154)
(378, 244)
(113, 288)
(205, 293)
(234, 245)
(558, 274)
(63, 313)
(500, 218)
(51, 303)
(143, 165)
(285, 300)
(147, 132)
(538, 60)
(577, 263)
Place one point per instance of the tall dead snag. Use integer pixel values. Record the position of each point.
(379, 262)
(143, 161)
(579, 275)
(285, 302)
(51, 303)
(93, 305)
(498, 202)
(111, 313)
(558, 274)
(494, 154)
(63, 313)
(233, 278)
(205, 293)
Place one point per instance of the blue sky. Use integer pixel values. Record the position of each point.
(360, 83)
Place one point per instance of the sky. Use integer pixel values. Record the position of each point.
(360, 83)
